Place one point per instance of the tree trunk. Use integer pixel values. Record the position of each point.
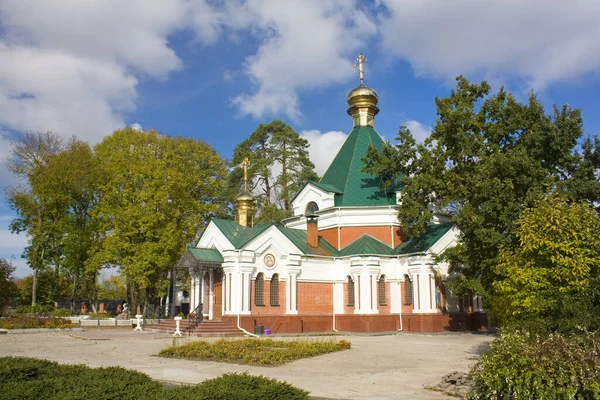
(34, 288)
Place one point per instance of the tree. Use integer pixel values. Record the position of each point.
(273, 147)
(488, 158)
(155, 193)
(555, 265)
(36, 211)
(8, 288)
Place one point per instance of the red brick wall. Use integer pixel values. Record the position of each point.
(315, 298)
(267, 309)
(351, 233)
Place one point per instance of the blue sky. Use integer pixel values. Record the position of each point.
(214, 70)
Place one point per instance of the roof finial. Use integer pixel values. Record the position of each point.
(361, 60)
(245, 163)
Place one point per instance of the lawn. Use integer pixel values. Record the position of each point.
(254, 351)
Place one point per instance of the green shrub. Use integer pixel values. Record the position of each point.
(254, 351)
(99, 316)
(521, 365)
(61, 312)
(34, 322)
(28, 378)
(240, 387)
(37, 309)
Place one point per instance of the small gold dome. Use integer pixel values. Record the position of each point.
(362, 94)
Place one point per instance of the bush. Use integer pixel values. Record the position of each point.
(254, 351)
(34, 322)
(240, 387)
(520, 365)
(37, 309)
(61, 312)
(28, 378)
(98, 316)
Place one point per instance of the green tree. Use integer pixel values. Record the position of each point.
(156, 191)
(273, 147)
(8, 288)
(487, 159)
(555, 270)
(35, 207)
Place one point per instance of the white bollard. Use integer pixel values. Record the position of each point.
(139, 323)
(177, 323)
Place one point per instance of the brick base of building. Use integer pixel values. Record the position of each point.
(365, 323)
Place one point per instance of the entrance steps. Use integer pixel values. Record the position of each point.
(206, 328)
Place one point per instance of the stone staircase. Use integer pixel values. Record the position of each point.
(206, 328)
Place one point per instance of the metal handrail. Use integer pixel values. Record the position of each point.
(194, 318)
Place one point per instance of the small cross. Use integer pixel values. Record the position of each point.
(361, 60)
(245, 163)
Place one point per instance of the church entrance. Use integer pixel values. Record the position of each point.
(218, 299)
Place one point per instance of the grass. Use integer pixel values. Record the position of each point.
(29, 378)
(254, 351)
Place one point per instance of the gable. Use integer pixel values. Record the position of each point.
(214, 238)
(312, 191)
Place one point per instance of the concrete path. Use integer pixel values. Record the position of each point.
(377, 367)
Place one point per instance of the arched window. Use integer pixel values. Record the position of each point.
(381, 290)
(259, 290)
(408, 291)
(311, 209)
(274, 287)
(350, 292)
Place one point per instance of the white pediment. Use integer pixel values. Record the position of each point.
(213, 238)
(310, 193)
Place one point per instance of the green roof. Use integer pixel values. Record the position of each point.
(355, 187)
(366, 244)
(237, 234)
(421, 244)
(298, 238)
(206, 255)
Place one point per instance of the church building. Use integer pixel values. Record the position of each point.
(340, 263)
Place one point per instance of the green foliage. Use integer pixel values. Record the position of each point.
(61, 312)
(34, 322)
(254, 351)
(488, 158)
(156, 191)
(36, 310)
(28, 378)
(245, 387)
(554, 272)
(273, 144)
(524, 366)
(112, 288)
(8, 287)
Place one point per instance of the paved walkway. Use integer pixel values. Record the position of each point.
(377, 367)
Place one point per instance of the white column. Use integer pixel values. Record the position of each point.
(193, 293)
(198, 293)
(433, 293)
(338, 297)
(293, 270)
(211, 300)
(416, 292)
(374, 293)
(395, 296)
(245, 291)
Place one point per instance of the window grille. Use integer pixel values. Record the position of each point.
(259, 290)
(274, 294)
(381, 290)
(350, 292)
(408, 291)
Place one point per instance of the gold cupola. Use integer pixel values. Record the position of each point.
(245, 204)
(363, 100)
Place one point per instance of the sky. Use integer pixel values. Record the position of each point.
(215, 70)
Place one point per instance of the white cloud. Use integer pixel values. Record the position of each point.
(72, 67)
(323, 147)
(304, 45)
(136, 126)
(540, 42)
(419, 131)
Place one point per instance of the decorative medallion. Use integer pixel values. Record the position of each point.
(270, 260)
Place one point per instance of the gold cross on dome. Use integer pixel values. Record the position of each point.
(245, 163)
(361, 60)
